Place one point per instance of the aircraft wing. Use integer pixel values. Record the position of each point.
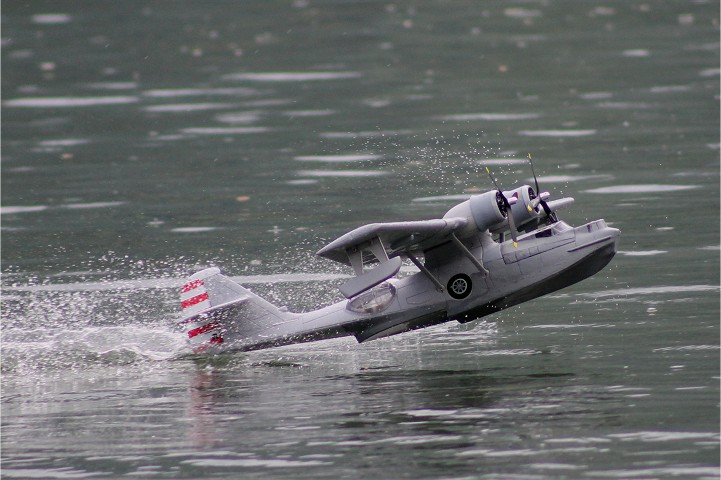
(394, 238)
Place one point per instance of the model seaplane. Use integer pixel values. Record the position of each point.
(470, 268)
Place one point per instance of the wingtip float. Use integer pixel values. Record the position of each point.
(469, 270)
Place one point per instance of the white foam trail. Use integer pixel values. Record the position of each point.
(61, 348)
(86, 206)
(69, 102)
(642, 253)
(11, 210)
(710, 72)
(51, 18)
(491, 116)
(306, 181)
(193, 92)
(187, 107)
(113, 85)
(225, 131)
(651, 188)
(596, 95)
(651, 290)
(556, 133)
(502, 161)
(168, 283)
(292, 76)
(636, 52)
(69, 142)
(341, 173)
(337, 158)
(308, 113)
(444, 198)
(193, 229)
(365, 134)
(239, 117)
(570, 178)
(252, 463)
(21, 209)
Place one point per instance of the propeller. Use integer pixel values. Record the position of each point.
(540, 197)
(509, 213)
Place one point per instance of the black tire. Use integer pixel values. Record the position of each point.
(460, 286)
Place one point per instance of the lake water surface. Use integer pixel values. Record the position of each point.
(144, 140)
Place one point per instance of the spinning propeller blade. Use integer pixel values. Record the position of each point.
(509, 213)
(539, 199)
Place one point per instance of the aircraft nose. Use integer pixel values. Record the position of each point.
(597, 234)
(600, 229)
(615, 234)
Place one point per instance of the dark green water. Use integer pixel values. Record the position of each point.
(143, 139)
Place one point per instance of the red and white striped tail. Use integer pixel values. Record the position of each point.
(217, 310)
(195, 299)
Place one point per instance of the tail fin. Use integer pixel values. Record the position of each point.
(217, 310)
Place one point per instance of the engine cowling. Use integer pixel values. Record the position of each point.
(488, 212)
(482, 212)
(521, 206)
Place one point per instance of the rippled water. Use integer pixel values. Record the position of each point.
(143, 140)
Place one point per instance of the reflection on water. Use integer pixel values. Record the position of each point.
(471, 420)
(141, 142)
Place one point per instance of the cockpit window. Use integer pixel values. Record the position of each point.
(549, 231)
(555, 229)
(560, 227)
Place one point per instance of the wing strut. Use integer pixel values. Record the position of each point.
(467, 253)
(426, 272)
(377, 249)
(355, 256)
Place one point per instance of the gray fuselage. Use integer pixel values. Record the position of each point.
(545, 260)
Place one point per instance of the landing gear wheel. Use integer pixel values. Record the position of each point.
(460, 286)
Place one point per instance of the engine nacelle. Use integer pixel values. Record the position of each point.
(488, 212)
(521, 205)
(482, 212)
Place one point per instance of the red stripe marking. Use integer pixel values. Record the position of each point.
(194, 300)
(191, 286)
(200, 330)
(216, 339)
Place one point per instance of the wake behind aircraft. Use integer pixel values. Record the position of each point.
(468, 268)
